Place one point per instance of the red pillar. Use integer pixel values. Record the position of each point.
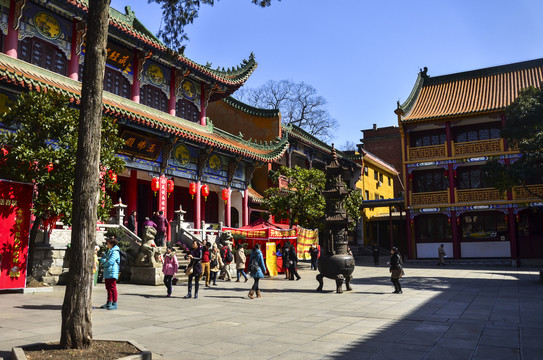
(136, 82)
(170, 213)
(457, 250)
(12, 39)
(203, 106)
(410, 247)
(132, 192)
(512, 234)
(171, 105)
(228, 209)
(197, 202)
(203, 201)
(73, 64)
(245, 210)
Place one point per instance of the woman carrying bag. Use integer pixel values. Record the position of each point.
(396, 270)
(257, 269)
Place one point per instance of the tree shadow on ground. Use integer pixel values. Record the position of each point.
(40, 307)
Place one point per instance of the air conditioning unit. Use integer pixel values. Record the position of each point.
(379, 183)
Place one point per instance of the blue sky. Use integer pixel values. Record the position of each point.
(362, 56)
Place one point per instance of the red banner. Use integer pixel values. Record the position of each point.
(15, 205)
(162, 194)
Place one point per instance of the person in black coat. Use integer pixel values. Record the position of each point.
(195, 256)
(293, 261)
(132, 222)
(396, 269)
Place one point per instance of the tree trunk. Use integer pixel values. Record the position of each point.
(32, 246)
(76, 332)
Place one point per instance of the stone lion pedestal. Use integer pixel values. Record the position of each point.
(147, 269)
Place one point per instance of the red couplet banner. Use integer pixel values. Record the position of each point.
(15, 205)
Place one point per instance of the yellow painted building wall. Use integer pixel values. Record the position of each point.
(382, 188)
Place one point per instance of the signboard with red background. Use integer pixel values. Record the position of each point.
(15, 205)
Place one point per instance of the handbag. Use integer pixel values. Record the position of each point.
(188, 270)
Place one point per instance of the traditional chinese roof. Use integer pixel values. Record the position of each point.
(130, 27)
(251, 110)
(300, 134)
(469, 93)
(254, 196)
(24, 75)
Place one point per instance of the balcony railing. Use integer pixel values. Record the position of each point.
(477, 147)
(479, 195)
(530, 192)
(427, 152)
(430, 198)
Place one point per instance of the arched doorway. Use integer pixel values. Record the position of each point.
(234, 218)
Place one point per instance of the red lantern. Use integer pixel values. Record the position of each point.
(113, 176)
(49, 167)
(225, 195)
(192, 189)
(169, 187)
(5, 151)
(205, 191)
(155, 184)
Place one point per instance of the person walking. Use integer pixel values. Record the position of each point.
(131, 225)
(195, 256)
(314, 254)
(396, 269)
(148, 222)
(227, 258)
(169, 268)
(441, 254)
(111, 262)
(206, 262)
(375, 251)
(161, 228)
(240, 259)
(293, 261)
(215, 263)
(257, 268)
(286, 259)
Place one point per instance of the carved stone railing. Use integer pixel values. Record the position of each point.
(531, 192)
(479, 195)
(427, 152)
(477, 147)
(430, 198)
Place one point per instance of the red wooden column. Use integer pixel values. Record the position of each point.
(171, 105)
(197, 203)
(12, 39)
(245, 210)
(203, 105)
(136, 79)
(132, 192)
(228, 209)
(203, 201)
(73, 64)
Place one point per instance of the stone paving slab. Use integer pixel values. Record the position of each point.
(453, 312)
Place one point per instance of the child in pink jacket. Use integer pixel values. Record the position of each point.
(169, 268)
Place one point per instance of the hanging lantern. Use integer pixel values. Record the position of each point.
(155, 184)
(5, 151)
(113, 176)
(49, 167)
(192, 189)
(205, 191)
(225, 195)
(169, 187)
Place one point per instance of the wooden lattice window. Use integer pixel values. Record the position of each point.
(154, 97)
(476, 133)
(470, 177)
(187, 110)
(116, 83)
(428, 138)
(43, 54)
(428, 181)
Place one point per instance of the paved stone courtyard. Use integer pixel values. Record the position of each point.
(458, 312)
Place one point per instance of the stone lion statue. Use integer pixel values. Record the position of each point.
(148, 254)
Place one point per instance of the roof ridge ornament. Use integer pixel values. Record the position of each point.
(424, 72)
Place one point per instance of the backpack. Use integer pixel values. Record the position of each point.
(123, 260)
(214, 263)
(253, 266)
(227, 257)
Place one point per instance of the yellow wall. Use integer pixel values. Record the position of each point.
(368, 183)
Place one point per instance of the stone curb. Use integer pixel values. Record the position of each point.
(18, 353)
(35, 290)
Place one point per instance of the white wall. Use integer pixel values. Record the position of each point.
(486, 249)
(429, 250)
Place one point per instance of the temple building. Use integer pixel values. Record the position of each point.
(160, 100)
(450, 126)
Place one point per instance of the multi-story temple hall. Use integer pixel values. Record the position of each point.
(450, 126)
(161, 101)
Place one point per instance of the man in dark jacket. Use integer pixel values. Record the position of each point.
(161, 228)
(132, 222)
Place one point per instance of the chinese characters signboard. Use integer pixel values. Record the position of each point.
(15, 204)
(141, 146)
(162, 193)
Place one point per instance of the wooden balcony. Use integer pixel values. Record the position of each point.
(530, 192)
(430, 198)
(479, 195)
(477, 147)
(427, 152)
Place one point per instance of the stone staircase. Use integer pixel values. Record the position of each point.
(180, 275)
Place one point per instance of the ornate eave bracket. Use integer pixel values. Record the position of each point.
(18, 13)
(140, 61)
(80, 33)
(203, 158)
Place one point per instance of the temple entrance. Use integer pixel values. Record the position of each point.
(530, 234)
(234, 217)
